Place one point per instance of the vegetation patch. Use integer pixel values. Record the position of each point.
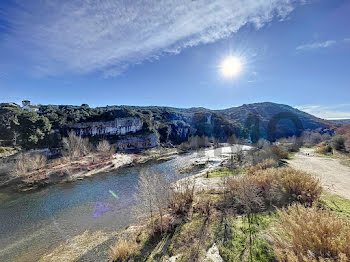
(311, 234)
(223, 172)
(337, 203)
(233, 236)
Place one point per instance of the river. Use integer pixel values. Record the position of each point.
(33, 223)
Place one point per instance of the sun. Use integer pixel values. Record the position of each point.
(231, 66)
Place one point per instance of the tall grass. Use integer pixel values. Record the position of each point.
(275, 186)
(122, 249)
(311, 234)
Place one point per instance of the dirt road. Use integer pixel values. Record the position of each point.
(335, 177)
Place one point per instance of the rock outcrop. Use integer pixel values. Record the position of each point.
(119, 126)
(137, 142)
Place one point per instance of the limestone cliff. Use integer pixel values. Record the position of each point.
(137, 142)
(119, 126)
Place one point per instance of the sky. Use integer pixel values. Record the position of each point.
(171, 52)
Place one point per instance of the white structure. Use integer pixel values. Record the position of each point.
(27, 106)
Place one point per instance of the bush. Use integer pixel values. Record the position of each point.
(29, 162)
(300, 186)
(275, 186)
(323, 148)
(105, 148)
(75, 146)
(338, 143)
(181, 196)
(122, 249)
(2, 150)
(267, 163)
(280, 152)
(311, 234)
(272, 152)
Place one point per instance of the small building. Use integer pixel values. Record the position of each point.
(27, 106)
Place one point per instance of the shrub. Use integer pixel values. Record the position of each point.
(122, 249)
(2, 150)
(29, 162)
(300, 186)
(75, 146)
(181, 196)
(279, 152)
(323, 148)
(311, 234)
(245, 195)
(276, 186)
(105, 148)
(273, 152)
(184, 147)
(267, 163)
(338, 143)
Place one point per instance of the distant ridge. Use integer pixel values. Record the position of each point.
(342, 122)
(175, 125)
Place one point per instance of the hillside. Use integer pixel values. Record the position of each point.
(267, 111)
(171, 125)
(342, 122)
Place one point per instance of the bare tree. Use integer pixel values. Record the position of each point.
(152, 195)
(27, 163)
(105, 148)
(75, 146)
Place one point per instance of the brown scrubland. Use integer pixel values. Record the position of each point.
(267, 213)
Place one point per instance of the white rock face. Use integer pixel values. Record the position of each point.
(119, 126)
(213, 254)
(137, 142)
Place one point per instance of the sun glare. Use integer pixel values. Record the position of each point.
(231, 66)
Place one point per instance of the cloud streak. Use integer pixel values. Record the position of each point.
(84, 36)
(341, 111)
(316, 45)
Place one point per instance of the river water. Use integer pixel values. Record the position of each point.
(33, 223)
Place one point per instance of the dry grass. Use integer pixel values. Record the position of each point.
(301, 186)
(310, 234)
(267, 163)
(323, 148)
(122, 249)
(275, 186)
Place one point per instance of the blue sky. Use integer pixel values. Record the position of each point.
(151, 52)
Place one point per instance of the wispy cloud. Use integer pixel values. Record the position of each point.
(83, 36)
(341, 111)
(316, 45)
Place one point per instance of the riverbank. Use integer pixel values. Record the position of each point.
(63, 171)
(34, 223)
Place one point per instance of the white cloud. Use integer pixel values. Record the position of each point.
(83, 36)
(341, 111)
(316, 45)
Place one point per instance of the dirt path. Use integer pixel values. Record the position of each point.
(334, 176)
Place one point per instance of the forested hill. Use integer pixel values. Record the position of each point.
(267, 111)
(172, 125)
